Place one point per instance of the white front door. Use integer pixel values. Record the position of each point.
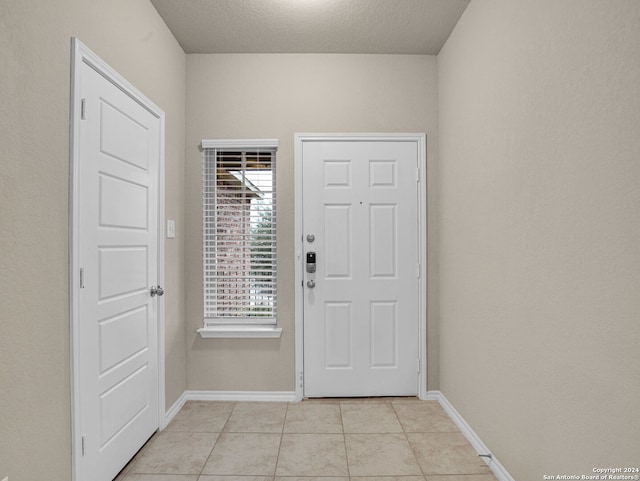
(361, 305)
(117, 348)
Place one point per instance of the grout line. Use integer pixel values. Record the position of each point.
(216, 441)
(284, 422)
(344, 441)
(413, 451)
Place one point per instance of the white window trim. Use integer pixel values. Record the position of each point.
(237, 331)
(240, 331)
(240, 144)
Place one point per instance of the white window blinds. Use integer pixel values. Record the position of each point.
(239, 226)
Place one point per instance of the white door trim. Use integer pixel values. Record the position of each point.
(81, 54)
(421, 141)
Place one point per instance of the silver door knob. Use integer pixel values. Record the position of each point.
(157, 291)
(311, 284)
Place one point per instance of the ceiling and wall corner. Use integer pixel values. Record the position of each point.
(418, 27)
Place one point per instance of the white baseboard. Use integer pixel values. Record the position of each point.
(432, 396)
(496, 467)
(255, 396)
(173, 410)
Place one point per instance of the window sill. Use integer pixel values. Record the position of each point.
(240, 332)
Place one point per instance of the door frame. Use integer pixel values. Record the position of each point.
(421, 141)
(80, 55)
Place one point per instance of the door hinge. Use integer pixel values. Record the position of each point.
(417, 174)
(418, 270)
(301, 377)
(82, 108)
(418, 369)
(82, 278)
(84, 445)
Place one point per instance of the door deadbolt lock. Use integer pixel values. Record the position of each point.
(310, 238)
(311, 262)
(311, 284)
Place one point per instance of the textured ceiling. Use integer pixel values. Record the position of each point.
(311, 26)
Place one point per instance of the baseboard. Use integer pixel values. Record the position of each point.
(496, 467)
(431, 396)
(174, 409)
(256, 396)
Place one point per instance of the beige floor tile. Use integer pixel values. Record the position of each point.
(245, 454)
(387, 478)
(311, 478)
(313, 418)
(257, 418)
(174, 453)
(424, 417)
(446, 453)
(202, 417)
(160, 477)
(464, 477)
(369, 418)
(312, 455)
(206, 477)
(380, 455)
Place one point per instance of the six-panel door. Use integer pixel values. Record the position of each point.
(361, 316)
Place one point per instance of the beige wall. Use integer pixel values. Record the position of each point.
(35, 404)
(275, 96)
(540, 231)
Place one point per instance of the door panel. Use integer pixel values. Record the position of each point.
(122, 136)
(382, 241)
(123, 204)
(384, 334)
(361, 318)
(337, 334)
(338, 248)
(123, 271)
(114, 348)
(118, 252)
(125, 401)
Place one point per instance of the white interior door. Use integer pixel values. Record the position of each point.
(118, 185)
(361, 305)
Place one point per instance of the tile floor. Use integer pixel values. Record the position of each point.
(332, 440)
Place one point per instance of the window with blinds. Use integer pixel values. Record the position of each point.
(239, 225)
